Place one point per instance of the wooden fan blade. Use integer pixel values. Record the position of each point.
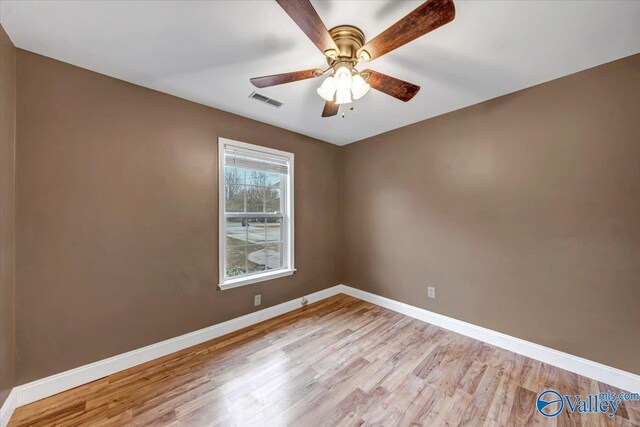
(330, 109)
(397, 88)
(278, 79)
(306, 17)
(427, 17)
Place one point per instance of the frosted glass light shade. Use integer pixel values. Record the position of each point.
(343, 96)
(343, 78)
(359, 87)
(327, 89)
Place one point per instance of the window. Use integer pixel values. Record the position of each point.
(256, 213)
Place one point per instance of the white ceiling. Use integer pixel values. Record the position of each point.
(207, 51)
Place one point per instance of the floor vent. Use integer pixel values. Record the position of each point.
(265, 99)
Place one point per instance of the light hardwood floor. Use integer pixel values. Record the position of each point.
(342, 362)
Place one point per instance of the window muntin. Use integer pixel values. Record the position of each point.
(256, 213)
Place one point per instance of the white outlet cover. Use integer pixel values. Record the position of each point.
(431, 292)
(257, 299)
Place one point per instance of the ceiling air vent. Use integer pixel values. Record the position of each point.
(265, 99)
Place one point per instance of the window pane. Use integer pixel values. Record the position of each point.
(274, 256)
(234, 198)
(257, 178)
(236, 231)
(256, 258)
(273, 179)
(274, 230)
(272, 199)
(234, 176)
(257, 230)
(255, 198)
(234, 189)
(236, 261)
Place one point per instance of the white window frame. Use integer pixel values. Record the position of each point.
(287, 251)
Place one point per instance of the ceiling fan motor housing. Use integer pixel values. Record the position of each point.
(349, 40)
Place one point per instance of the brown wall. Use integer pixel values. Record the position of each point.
(523, 212)
(117, 217)
(7, 209)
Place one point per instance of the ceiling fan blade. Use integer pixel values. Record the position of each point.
(427, 17)
(306, 17)
(278, 79)
(330, 109)
(397, 88)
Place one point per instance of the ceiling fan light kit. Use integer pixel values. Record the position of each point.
(344, 47)
(327, 89)
(359, 87)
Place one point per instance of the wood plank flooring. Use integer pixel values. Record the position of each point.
(339, 362)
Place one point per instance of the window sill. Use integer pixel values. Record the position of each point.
(256, 278)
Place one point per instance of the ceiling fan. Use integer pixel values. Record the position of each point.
(344, 46)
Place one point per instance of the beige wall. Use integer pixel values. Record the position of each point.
(523, 212)
(7, 209)
(117, 217)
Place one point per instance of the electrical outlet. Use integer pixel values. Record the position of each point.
(431, 292)
(257, 299)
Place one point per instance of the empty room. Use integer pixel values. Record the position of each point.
(319, 213)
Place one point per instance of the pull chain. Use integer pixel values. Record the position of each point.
(350, 109)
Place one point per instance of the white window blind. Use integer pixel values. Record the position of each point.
(250, 159)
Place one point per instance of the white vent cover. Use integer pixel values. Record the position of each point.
(265, 99)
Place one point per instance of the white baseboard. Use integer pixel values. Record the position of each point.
(8, 407)
(36, 390)
(603, 373)
(49, 386)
